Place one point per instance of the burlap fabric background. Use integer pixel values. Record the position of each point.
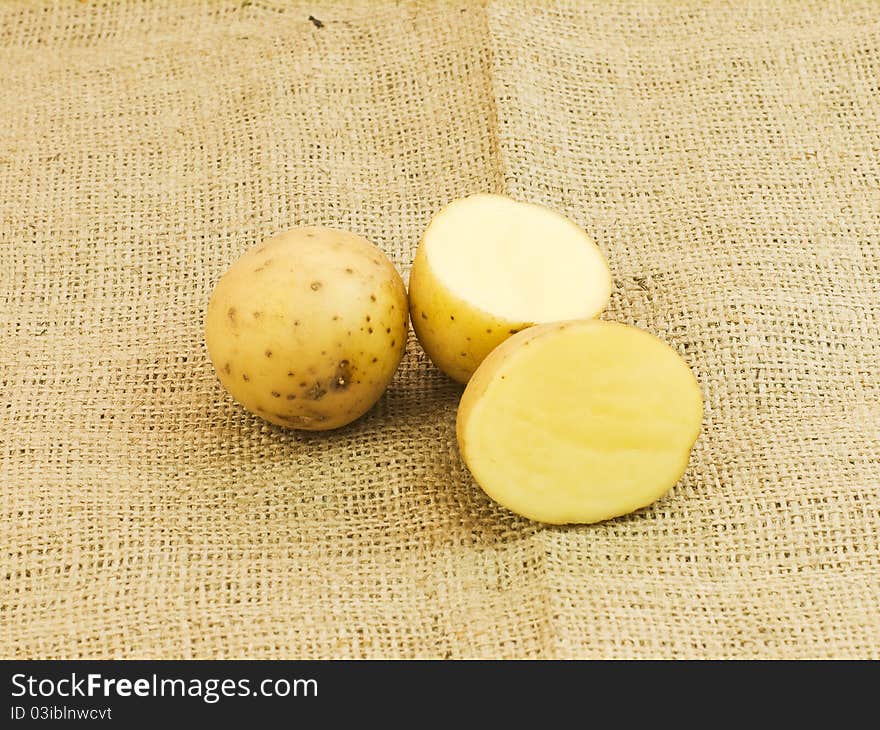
(723, 155)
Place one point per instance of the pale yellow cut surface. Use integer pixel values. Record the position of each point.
(489, 266)
(578, 422)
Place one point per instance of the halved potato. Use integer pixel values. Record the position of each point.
(488, 266)
(577, 422)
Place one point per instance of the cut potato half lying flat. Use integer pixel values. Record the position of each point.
(578, 422)
(488, 267)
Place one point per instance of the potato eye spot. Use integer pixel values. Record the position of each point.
(349, 270)
(315, 285)
(245, 377)
(276, 394)
(227, 368)
(372, 297)
(268, 353)
(342, 378)
(231, 314)
(291, 396)
(424, 316)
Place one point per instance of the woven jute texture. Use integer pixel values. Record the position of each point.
(725, 157)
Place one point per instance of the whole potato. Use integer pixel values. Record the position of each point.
(307, 329)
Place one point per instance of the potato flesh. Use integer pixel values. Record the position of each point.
(455, 335)
(488, 267)
(579, 422)
(517, 261)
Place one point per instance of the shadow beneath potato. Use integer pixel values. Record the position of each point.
(401, 460)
